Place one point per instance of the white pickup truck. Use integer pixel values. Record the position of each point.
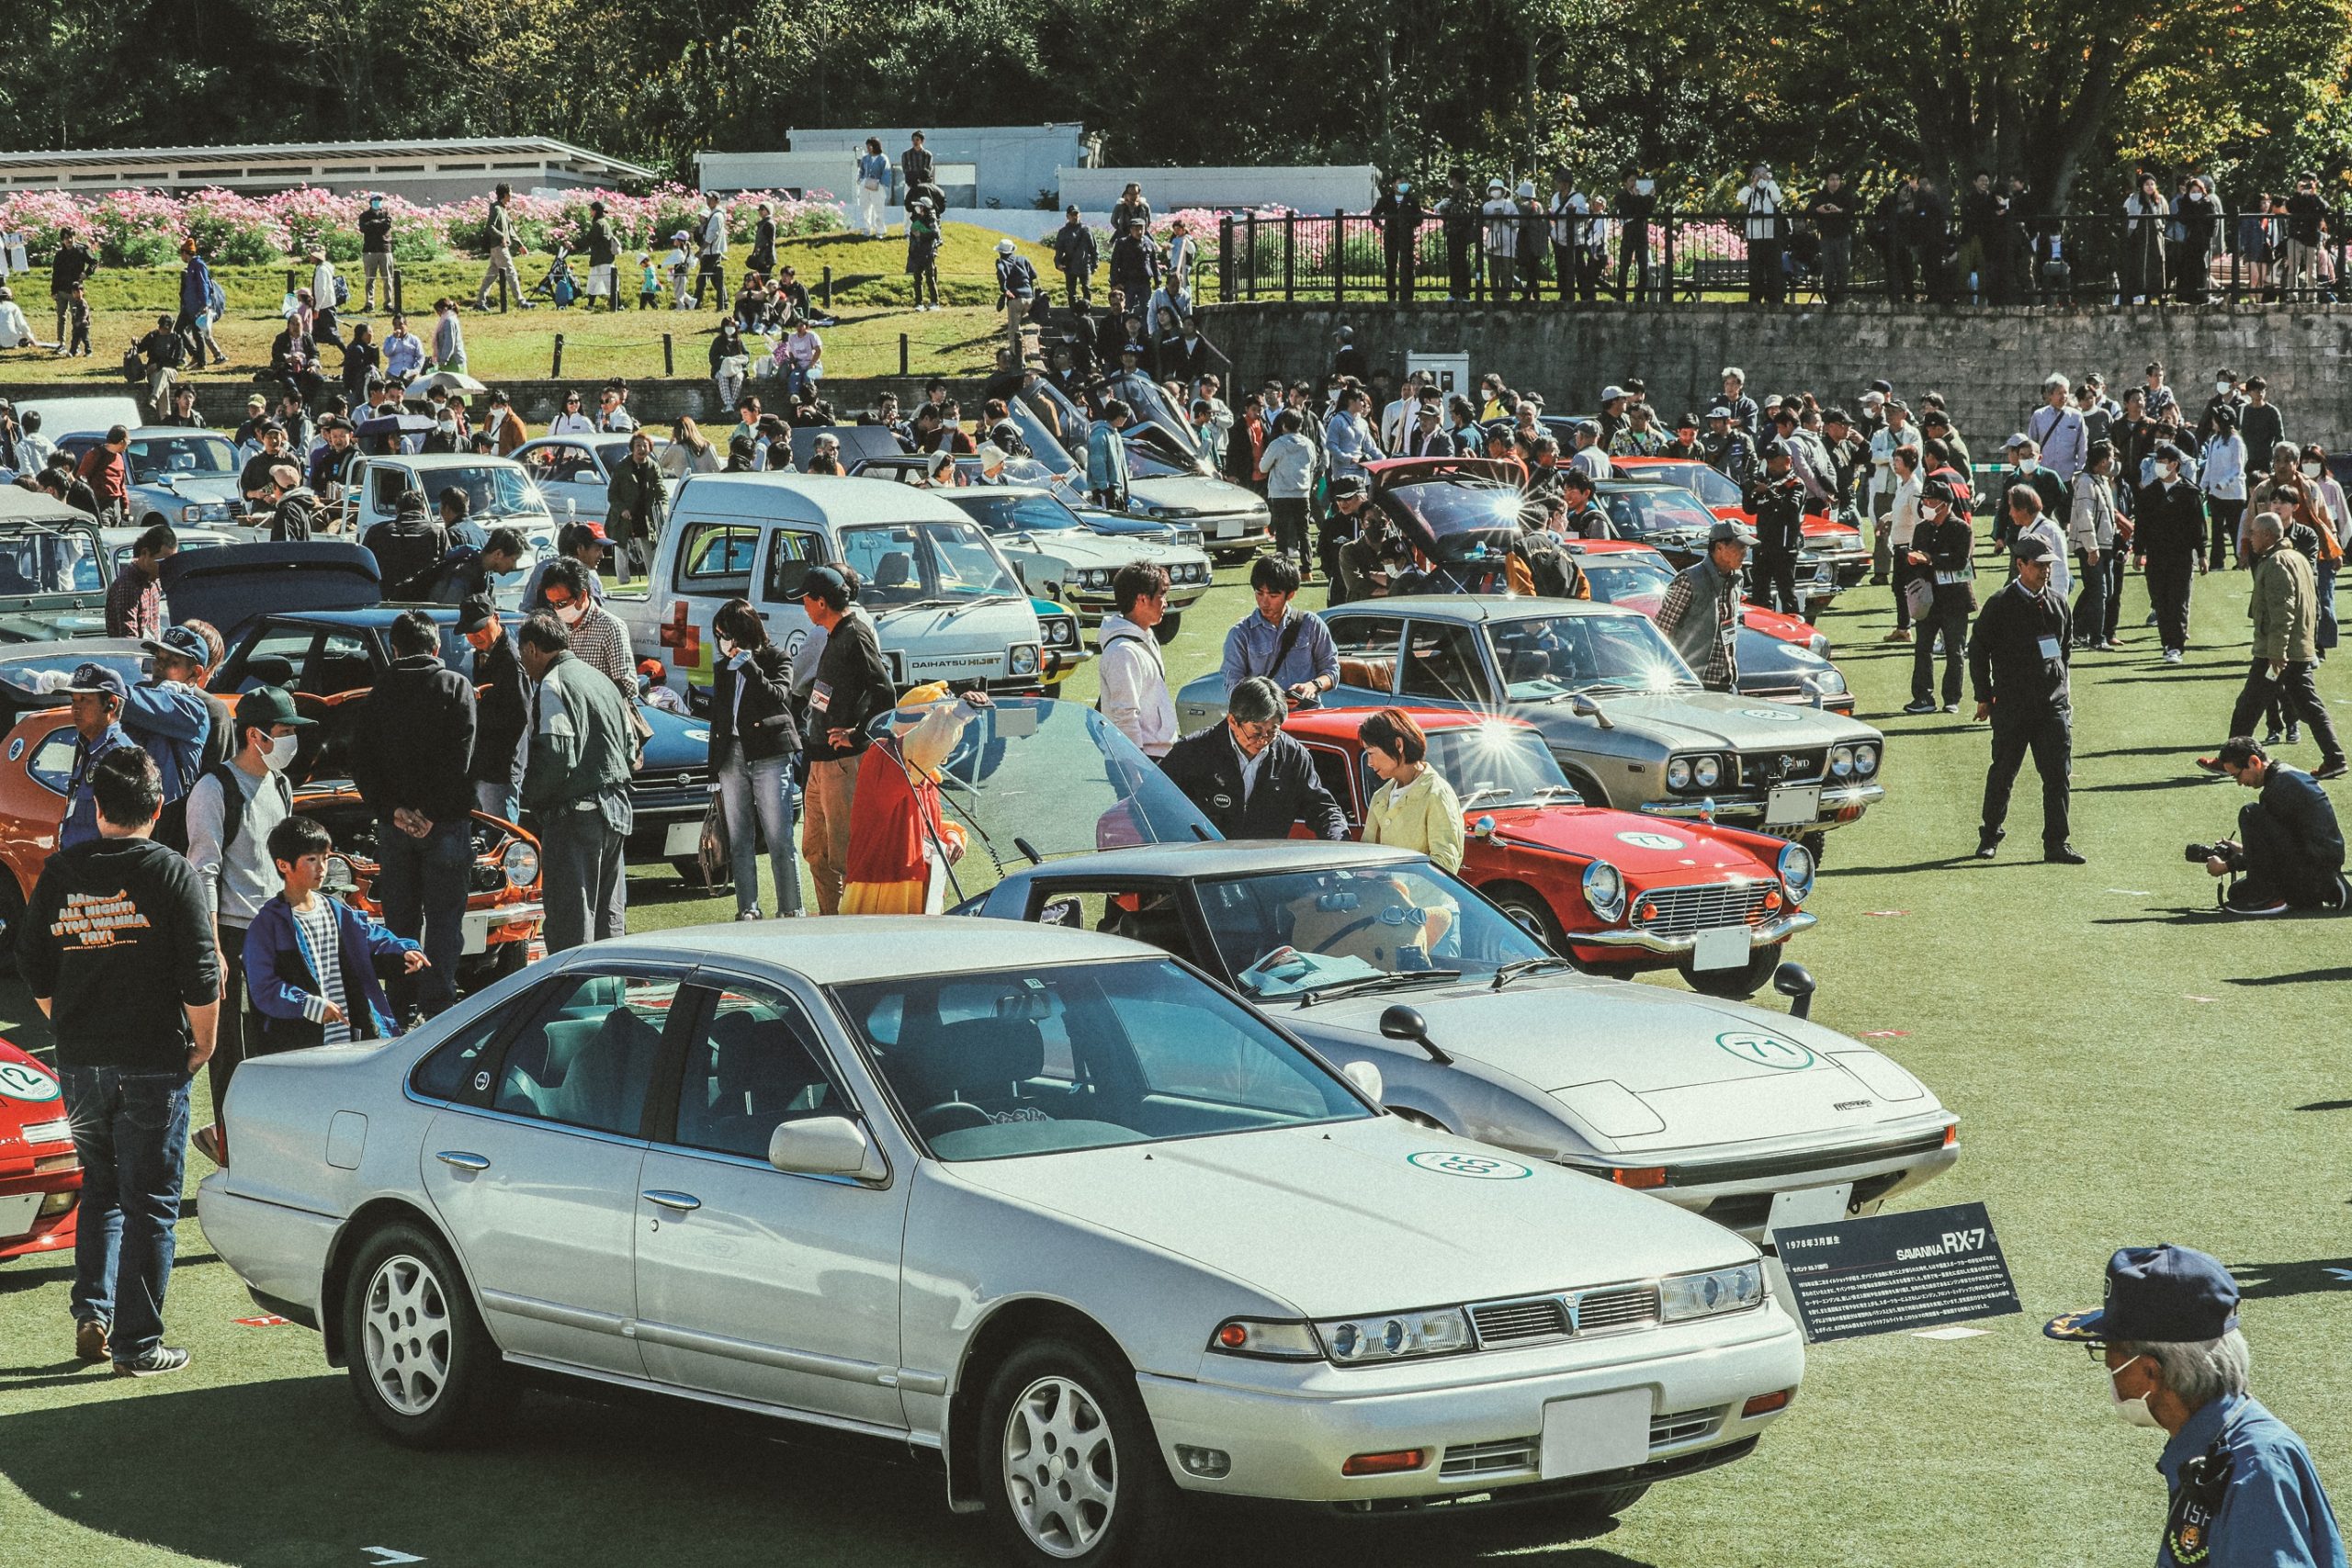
(946, 604)
(499, 494)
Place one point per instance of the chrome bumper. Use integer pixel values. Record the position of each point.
(1833, 801)
(479, 924)
(1769, 934)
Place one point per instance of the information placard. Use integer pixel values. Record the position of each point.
(1892, 1273)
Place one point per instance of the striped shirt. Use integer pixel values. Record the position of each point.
(322, 943)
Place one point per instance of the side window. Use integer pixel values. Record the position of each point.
(274, 657)
(52, 760)
(1146, 914)
(339, 664)
(450, 1072)
(1331, 767)
(568, 464)
(715, 558)
(750, 1070)
(790, 555)
(1441, 661)
(588, 1059)
(1367, 647)
(384, 487)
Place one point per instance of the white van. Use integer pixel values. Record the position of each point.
(946, 604)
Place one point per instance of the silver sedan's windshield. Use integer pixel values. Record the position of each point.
(1290, 932)
(1544, 656)
(1082, 1055)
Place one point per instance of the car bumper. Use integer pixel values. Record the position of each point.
(1482, 1436)
(1741, 1200)
(1839, 805)
(504, 922)
(27, 1229)
(278, 1251)
(1770, 933)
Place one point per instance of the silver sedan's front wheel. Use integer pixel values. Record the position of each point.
(404, 1317)
(1061, 1467)
(1080, 1479)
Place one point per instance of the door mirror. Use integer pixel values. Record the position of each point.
(1796, 982)
(1365, 1076)
(1401, 1023)
(1582, 705)
(825, 1146)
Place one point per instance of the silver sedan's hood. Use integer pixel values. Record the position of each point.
(1704, 1072)
(1691, 719)
(1339, 1218)
(1198, 492)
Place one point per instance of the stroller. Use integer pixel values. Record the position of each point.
(558, 286)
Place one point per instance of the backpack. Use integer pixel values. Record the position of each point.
(342, 292)
(216, 303)
(232, 800)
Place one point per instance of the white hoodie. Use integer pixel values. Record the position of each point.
(1133, 681)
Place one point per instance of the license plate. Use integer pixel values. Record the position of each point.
(1726, 947)
(683, 838)
(1229, 528)
(1793, 805)
(1602, 1431)
(1809, 1206)
(16, 1214)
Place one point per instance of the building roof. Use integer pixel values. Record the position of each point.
(273, 160)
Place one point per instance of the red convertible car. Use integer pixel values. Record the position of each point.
(41, 1179)
(1615, 890)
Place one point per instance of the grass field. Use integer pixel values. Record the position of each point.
(2124, 1070)
(871, 296)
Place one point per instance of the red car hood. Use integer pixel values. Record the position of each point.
(29, 1097)
(1649, 852)
(1771, 623)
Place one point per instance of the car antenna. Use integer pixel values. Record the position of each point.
(1026, 848)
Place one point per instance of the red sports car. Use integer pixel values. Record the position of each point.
(41, 1179)
(1838, 546)
(1614, 890)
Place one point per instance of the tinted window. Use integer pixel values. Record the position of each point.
(790, 555)
(588, 1059)
(750, 1069)
(716, 558)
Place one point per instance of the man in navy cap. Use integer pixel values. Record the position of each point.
(2017, 660)
(2243, 1488)
(95, 696)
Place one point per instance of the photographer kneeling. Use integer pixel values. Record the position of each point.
(2288, 851)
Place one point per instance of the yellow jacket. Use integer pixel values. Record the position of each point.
(1425, 815)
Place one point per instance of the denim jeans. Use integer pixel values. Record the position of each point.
(130, 1134)
(423, 889)
(756, 798)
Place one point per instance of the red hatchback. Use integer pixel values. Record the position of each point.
(41, 1179)
(1615, 890)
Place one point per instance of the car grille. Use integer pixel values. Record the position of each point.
(1686, 912)
(1762, 770)
(1529, 1319)
(1510, 1456)
(670, 790)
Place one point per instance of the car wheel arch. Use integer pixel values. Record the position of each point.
(364, 1222)
(1502, 889)
(1011, 1324)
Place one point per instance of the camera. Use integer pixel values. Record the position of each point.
(2198, 854)
(2226, 850)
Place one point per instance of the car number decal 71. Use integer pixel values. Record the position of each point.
(1478, 1167)
(1766, 1051)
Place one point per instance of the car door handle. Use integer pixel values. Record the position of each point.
(462, 1160)
(682, 1202)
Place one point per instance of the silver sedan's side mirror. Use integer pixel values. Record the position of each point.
(825, 1146)
(1584, 706)
(1365, 1076)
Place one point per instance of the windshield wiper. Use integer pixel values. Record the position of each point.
(1518, 966)
(1485, 791)
(958, 606)
(1313, 994)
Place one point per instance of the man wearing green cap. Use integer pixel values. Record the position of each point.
(2244, 1492)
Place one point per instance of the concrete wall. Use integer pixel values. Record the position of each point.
(1308, 188)
(1987, 363)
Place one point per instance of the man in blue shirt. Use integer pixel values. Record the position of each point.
(2243, 1492)
(1106, 457)
(95, 696)
(1281, 641)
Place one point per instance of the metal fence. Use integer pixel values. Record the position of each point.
(1679, 257)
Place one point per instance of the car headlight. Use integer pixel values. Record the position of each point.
(1685, 1296)
(1094, 577)
(1819, 643)
(1865, 759)
(1796, 871)
(1394, 1337)
(191, 513)
(1707, 772)
(1604, 891)
(521, 864)
(1024, 658)
(1154, 510)
(1841, 761)
(1271, 1339)
(1828, 682)
(1678, 773)
(1058, 630)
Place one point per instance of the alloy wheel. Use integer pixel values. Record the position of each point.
(1060, 1467)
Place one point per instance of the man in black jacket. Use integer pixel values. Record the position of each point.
(1776, 500)
(411, 756)
(116, 949)
(2168, 541)
(2290, 849)
(2017, 659)
(1397, 214)
(408, 548)
(1939, 555)
(1074, 259)
(376, 252)
(501, 711)
(1250, 779)
(852, 685)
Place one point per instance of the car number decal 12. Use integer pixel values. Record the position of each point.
(1478, 1167)
(18, 1081)
(1766, 1051)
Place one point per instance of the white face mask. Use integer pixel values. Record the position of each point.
(2130, 1412)
(570, 613)
(279, 753)
(726, 648)
(2312, 470)
(2222, 388)
(450, 425)
(2171, 470)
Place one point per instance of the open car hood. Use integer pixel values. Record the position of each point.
(230, 585)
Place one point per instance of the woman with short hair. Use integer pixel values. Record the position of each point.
(1414, 807)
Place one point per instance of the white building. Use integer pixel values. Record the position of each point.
(1001, 166)
(425, 171)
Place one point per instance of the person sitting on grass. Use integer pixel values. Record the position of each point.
(311, 961)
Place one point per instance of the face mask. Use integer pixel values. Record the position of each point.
(1404, 190)
(570, 613)
(2130, 1412)
(448, 425)
(2171, 470)
(280, 754)
(2312, 470)
(2223, 386)
(727, 648)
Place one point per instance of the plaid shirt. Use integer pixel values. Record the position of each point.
(135, 605)
(601, 642)
(1703, 631)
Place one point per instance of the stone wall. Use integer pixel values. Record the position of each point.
(1987, 363)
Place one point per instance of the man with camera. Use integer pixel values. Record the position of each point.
(2285, 612)
(2288, 854)
(1776, 500)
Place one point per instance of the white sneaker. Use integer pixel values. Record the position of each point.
(2172, 656)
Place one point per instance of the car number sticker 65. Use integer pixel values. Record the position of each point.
(1478, 1167)
(18, 1081)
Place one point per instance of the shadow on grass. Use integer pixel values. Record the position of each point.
(569, 1482)
(2327, 1105)
(2135, 786)
(2302, 977)
(2323, 1276)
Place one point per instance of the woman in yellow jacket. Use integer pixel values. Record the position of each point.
(1414, 808)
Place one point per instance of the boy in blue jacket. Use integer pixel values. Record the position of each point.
(310, 960)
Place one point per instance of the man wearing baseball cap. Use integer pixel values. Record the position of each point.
(2017, 660)
(168, 715)
(93, 696)
(1700, 612)
(2244, 1491)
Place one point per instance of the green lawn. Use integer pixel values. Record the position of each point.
(2123, 1070)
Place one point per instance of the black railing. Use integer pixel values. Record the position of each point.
(1677, 257)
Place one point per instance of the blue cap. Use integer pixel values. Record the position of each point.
(2161, 1295)
(181, 642)
(98, 678)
